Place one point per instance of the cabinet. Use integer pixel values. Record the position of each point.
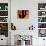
(42, 19)
(4, 23)
(3, 40)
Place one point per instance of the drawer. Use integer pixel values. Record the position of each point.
(3, 41)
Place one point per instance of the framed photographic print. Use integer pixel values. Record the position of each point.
(23, 14)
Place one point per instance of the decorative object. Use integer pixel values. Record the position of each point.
(31, 27)
(3, 19)
(41, 19)
(6, 7)
(4, 29)
(13, 27)
(41, 6)
(0, 7)
(41, 25)
(3, 6)
(43, 13)
(23, 40)
(42, 32)
(3, 13)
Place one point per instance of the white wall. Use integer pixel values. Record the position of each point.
(27, 4)
(22, 25)
(5, 39)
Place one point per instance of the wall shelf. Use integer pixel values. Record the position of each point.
(3, 10)
(42, 10)
(41, 28)
(3, 16)
(42, 16)
(3, 22)
(41, 22)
